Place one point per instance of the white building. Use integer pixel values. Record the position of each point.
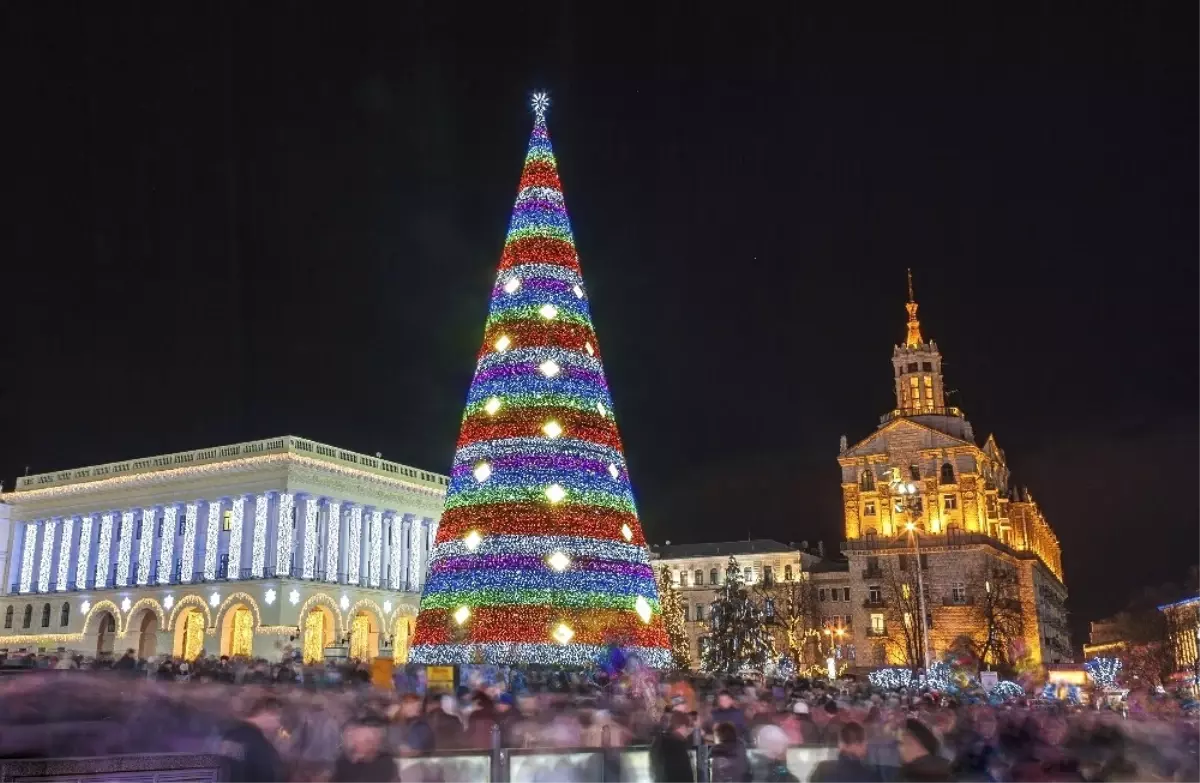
(227, 550)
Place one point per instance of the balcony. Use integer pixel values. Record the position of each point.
(874, 634)
(952, 601)
(872, 573)
(872, 604)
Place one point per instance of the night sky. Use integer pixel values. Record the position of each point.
(245, 220)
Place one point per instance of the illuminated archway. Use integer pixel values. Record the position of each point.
(106, 634)
(191, 602)
(147, 646)
(318, 633)
(237, 631)
(403, 630)
(189, 633)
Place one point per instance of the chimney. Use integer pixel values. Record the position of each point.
(821, 548)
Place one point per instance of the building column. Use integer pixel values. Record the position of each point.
(354, 549)
(47, 559)
(187, 558)
(104, 550)
(146, 545)
(237, 521)
(285, 530)
(83, 559)
(333, 540)
(166, 545)
(416, 540)
(64, 554)
(212, 540)
(312, 511)
(258, 553)
(375, 552)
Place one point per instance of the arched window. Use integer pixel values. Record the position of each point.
(64, 617)
(713, 577)
(866, 482)
(915, 472)
(947, 476)
(8, 617)
(699, 577)
(45, 615)
(28, 619)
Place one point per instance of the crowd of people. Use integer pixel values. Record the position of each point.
(285, 721)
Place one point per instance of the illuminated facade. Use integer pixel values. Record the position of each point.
(223, 551)
(922, 467)
(1183, 634)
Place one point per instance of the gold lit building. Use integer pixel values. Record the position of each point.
(921, 493)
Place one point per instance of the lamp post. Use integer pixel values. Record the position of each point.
(911, 502)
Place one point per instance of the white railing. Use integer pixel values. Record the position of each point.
(286, 445)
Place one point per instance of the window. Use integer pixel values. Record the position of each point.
(713, 577)
(749, 574)
(699, 612)
(45, 615)
(927, 366)
(874, 594)
(903, 562)
(821, 594)
(949, 502)
(768, 574)
(845, 593)
(877, 624)
(873, 564)
(675, 578)
(8, 617)
(924, 562)
(908, 619)
(683, 578)
(947, 475)
(869, 508)
(912, 366)
(769, 608)
(698, 577)
(685, 613)
(866, 481)
(64, 616)
(958, 593)
(787, 573)
(915, 472)
(27, 620)
(227, 521)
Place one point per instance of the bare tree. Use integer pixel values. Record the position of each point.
(790, 609)
(901, 609)
(995, 592)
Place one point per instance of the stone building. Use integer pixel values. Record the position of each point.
(1183, 635)
(226, 550)
(988, 558)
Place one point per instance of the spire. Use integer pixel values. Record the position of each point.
(914, 326)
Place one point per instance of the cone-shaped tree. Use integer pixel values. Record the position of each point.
(539, 556)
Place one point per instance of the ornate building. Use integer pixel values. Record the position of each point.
(227, 550)
(989, 565)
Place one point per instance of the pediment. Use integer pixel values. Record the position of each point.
(903, 435)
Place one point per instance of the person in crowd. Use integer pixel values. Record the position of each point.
(920, 754)
(442, 715)
(251, 756)
(850, 764)
(127, 663)
(669, 758)
(480, 720)
(772, 743)
(728, 757)
(363, 759)
(410, 732)
(727, 711)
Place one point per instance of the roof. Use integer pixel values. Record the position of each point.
(828, 566)
(756, 546)
(1184, 602)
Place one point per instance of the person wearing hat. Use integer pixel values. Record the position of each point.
(919, 755)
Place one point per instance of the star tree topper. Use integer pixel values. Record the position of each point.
(540, 103)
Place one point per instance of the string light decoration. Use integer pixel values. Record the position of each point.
(375, 564)
(237, 513)
(103, 550)
(414, 553)
(212, 540)
(335, 534)
(396, 552)
(64, 553)
(85, 550)
(539, 556)
(285, 529)
(258, 552)
(124, 548)
(145, 547)
(311, 508)
(49, 528)
(891, 678)
(188, 557)
(1103, 671)
(166, 547)
(354, 546)
(1006, 689)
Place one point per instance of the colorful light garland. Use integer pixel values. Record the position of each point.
(539, 556)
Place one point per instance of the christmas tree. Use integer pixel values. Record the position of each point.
(539, 556)
(672, 612)
(739, 641)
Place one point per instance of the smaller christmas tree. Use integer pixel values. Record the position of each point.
(672, 613)
(739, 641)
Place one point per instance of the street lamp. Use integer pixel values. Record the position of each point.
(912, 503)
